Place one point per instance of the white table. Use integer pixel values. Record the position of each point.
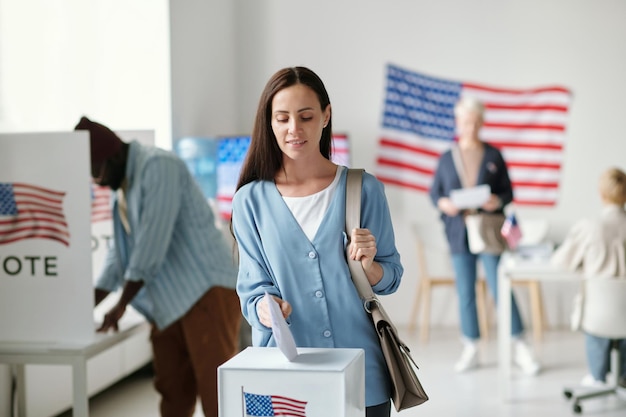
(75, 355)
(513, 268)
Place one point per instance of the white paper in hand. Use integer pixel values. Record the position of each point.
(470, 198)
(282, 334)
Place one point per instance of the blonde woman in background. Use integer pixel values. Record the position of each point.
(482, 164)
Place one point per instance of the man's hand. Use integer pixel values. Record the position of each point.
(112, 318)
(131, 288)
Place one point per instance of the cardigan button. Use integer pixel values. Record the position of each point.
(319, 294)
(312, 255)
(326, 333)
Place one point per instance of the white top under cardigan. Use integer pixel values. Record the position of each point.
(276, 256)
(310, 210)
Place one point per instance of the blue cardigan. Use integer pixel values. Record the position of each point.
(276, 256)
(492, 171)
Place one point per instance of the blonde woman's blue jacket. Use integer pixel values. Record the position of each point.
(493, 172)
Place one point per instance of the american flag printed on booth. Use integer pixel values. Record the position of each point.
(100, 203)
(29, 211)
(273, 405)
(526, 125)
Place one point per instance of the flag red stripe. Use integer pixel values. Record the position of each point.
(289, 413)
(22, 196)
(280, 397)
(543, 184)
(33, 205)
(522, 107)
(35, 227)
(34, 219)
(100, 218)
(224, 198)
(97, 213)
(391, 144)
(34, 187)
(527, 126)
(411, 185)
(534, 202)
(549, 89)
(35, 213)
(536, 165)
(502, 144)
(397, 164)
(35, 235)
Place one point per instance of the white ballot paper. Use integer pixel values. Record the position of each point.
(470, 198)
(282, 334)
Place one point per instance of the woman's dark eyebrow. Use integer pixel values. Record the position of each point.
(299, 111)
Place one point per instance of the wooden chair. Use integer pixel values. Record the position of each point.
(538, 320)
(423, 295)
(534, 232)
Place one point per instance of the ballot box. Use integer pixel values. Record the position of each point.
(319, 382)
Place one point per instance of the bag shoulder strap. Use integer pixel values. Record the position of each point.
(353, 220)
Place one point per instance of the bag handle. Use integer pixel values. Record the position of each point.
(353, 220)
(371, 304)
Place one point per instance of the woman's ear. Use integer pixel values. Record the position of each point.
(327, 114)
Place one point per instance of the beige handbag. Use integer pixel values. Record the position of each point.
(406, 387)
(483, 229)
(484, 233)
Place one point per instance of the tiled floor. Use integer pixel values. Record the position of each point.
(471, 394)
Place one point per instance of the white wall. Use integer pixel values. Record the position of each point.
(203, 68)
(107, 59)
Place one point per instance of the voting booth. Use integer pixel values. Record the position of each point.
(46, 293)
(48, 264)
(319, 382)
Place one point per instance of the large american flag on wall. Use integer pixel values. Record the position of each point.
(527, 125)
